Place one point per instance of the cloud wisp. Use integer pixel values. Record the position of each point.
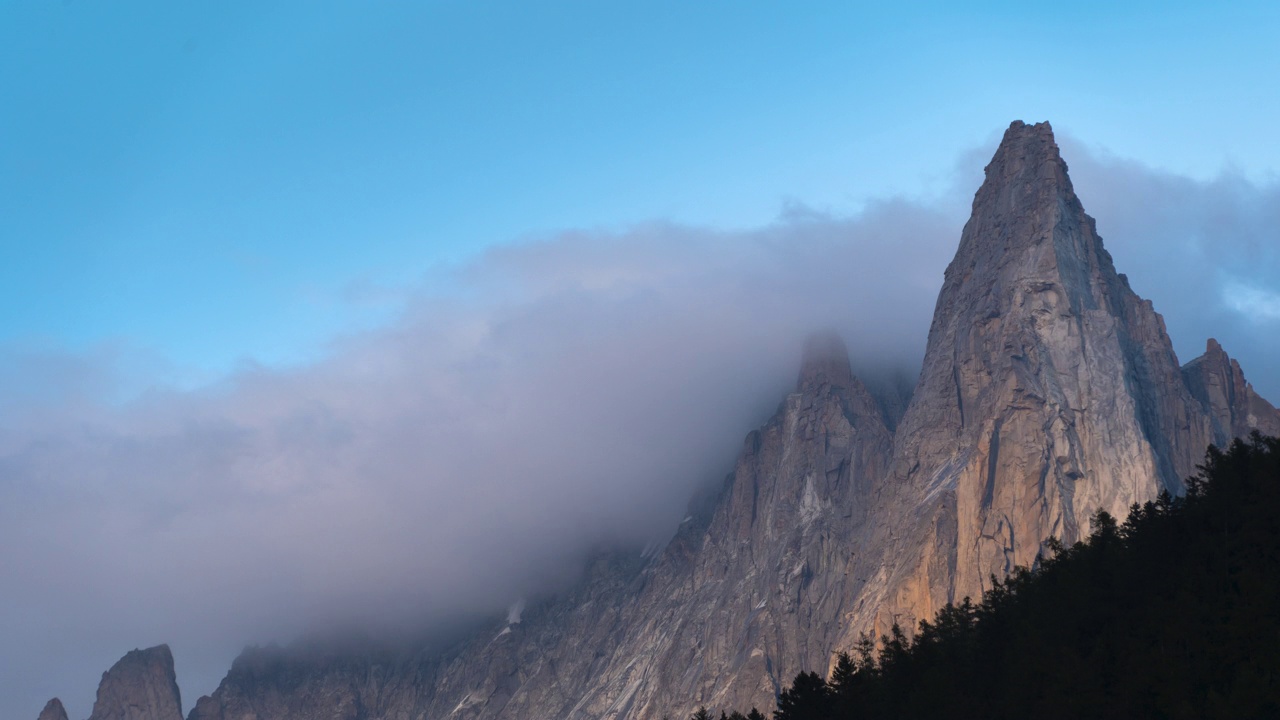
(547, 397)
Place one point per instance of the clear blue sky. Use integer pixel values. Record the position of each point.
(221, 180)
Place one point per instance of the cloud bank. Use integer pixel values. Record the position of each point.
(547, 397)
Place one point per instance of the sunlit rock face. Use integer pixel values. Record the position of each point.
(1049, 391)
(141, 686)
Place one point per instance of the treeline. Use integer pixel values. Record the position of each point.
(1173, 614)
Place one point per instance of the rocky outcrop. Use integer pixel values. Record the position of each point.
(141, 686)
(1233, 407)
(1049, 391)
(53, 710)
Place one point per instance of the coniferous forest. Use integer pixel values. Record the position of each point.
(1173, 614)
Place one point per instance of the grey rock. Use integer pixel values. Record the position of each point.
(1049, 391)
(53, 710)
(1234, 408)
(141, 686)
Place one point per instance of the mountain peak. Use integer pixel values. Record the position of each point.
(1028, 233)
(141, 686)
(1021, 138)
(53, 710)
(1049, 389)
(1025, 177)
(1018, 126)
(825, 361)
(1217, 382)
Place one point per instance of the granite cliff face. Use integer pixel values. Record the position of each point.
(1049, 391)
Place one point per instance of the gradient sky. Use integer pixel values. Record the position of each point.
(444, 293)
(210, 183)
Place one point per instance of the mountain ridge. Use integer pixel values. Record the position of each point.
(1049, 391)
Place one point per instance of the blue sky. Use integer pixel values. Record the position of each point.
(210, 182)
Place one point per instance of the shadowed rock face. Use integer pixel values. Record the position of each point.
(141, 686)
(53, 710)
(1049, 391)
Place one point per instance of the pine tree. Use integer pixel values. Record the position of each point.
(808, 699)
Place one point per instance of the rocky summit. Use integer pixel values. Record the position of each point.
(141, 686)
(1233, 407)
(1049, 391)
(53, 710)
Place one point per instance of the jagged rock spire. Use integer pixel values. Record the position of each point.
(1216, 380)
(141, 686)
(825, 361)
(1025, 177)
(53, 710)
(1049, 390)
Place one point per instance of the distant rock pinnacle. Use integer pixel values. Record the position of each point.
(1235, 409)
(141, 686)
(825, 360)
(53, 710)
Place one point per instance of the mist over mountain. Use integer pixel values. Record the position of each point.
(543, 400)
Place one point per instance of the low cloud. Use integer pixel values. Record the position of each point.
(1205, 252)
(547, 397)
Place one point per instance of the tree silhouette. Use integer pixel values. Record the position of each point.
(809, 698)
